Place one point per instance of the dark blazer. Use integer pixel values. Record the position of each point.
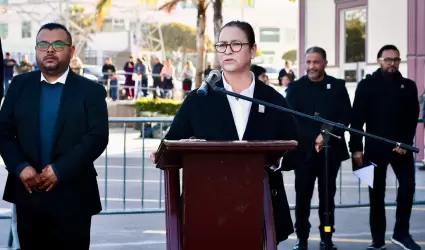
(389, 109)
(1, 71)
(209, 117)
(331, 101)
(80, 136)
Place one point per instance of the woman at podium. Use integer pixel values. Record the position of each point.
(217, 117)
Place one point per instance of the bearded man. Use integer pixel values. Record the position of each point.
(53, 125)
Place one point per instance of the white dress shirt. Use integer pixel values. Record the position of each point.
(240, 108)
(61, 79)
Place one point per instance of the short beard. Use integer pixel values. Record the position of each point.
(387, 73)
(319, 75)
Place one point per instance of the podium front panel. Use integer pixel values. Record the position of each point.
(223, 201)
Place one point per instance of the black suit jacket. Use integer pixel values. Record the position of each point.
(210, 117)
(80, 136)
(331, 101)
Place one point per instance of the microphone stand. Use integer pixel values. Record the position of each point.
(326, 130)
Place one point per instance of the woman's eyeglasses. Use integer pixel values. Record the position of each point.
(235, 46)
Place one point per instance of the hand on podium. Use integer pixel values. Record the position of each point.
(153, 157)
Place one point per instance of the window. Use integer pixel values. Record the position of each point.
(4, 1)
(351, 76)
(4, 30)
(355, 35)
(268, 53)
(26, 29)
(270, 35)
(290, 35)
(113, 25)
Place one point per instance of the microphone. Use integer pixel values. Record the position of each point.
(213, 77)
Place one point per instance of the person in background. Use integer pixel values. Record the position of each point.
(53, 125)
(156, 76)
(286, 70)
(259, 72)
(318, 94)
(286, 80)
(188, 74)
(216, 117)
(109, 76)
(167, 76)
(387, 104)
(77, 65)
(129, 82)
(207, 70)
(25, 66)
(9, 67)
(1, 71)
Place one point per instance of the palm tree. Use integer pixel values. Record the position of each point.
(201, 24)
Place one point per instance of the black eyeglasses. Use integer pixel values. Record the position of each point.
(235, 46)
(390, 60)
(56, 45)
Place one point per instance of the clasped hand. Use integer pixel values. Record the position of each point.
(34, 181)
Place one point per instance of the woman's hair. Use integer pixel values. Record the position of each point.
(290, 76)
(257, 70)
(245, 27)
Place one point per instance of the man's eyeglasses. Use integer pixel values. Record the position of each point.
(388, 60)
(57, 45)
(235, 46)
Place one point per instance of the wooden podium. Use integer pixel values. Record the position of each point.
(225, 202)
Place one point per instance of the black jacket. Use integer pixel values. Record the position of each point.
(80, 136)
(209, 117)
(389, 109)
(330, 100)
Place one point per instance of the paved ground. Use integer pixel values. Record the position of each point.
(147, 231)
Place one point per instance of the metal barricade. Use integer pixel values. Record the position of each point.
(131, 142)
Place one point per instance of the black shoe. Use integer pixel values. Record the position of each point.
(327, 246)
(376, 246)
(406, 242)
(301, 245)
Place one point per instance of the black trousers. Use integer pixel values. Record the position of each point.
(305, 178)
(39, 230)
(404, 169)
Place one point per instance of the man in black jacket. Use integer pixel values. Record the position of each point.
(388, 104)
(318, 94)
(53, 125)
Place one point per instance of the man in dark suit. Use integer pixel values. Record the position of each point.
(387, 103)
(318, 94)
(53, 125)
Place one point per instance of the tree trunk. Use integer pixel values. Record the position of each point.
(218, 23)
(200, 41)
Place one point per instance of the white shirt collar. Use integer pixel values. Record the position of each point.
(247, 92)
(61, 79)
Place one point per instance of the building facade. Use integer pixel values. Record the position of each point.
(352, 32)
(275, 23)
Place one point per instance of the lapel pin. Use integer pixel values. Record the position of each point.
(261, 108)
(402, 86)
(328, 86)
